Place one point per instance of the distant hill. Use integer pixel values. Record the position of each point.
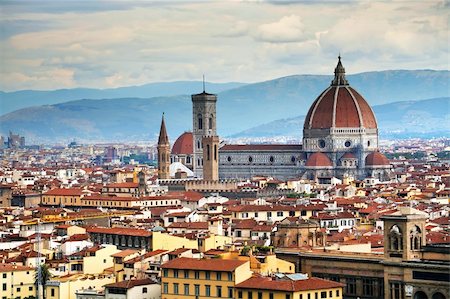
(424, 118)
(239, 108)
(10, 101)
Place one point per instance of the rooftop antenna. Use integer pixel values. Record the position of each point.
(203, 83)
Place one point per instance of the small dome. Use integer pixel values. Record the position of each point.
(183, 145)
(319, 160)
(348, 156)
(376, 158)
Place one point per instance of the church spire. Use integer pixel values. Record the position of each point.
(163, 138)
(339, 74)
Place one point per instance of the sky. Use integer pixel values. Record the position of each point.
(105, 44)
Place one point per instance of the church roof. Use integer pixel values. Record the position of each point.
(318, 160)
(183, 145)
(340, 106)
(376, 158)
(163, 138)
(261, 147)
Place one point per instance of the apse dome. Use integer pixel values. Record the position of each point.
(183, 145)
(340, 106)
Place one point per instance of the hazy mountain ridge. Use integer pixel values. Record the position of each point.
(240, 108)
(11, 101)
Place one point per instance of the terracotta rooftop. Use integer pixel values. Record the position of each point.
(203, 264)
(128, 284)
(120, 231)
(267, 283)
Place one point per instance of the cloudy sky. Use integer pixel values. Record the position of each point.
(103, 44)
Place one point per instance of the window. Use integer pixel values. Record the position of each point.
(30, 288)
(250, 159)
(197, 275)
(144, 290)
(4, 287)
(230, 292)
(337, 293)
(240, 294)
(207, 290)
(269, 214)
(271, 296)
(323, 294)
(291, 213)
(259, 295)
(186, 273)
(250, 295)
(186, 289)
(165, 288)
(207, 275)
(230, 276)
(368, 287)
(197, 290)
(330, 294)
(175, 288)
(351, 286)
(219, 291)
(166, 273)
(200, 123)
(280, 213)
(4, 275)
(52, 292)
(288, 296)
(219, 275)
(396, 290)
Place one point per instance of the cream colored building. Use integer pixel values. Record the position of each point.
(66, 287)
(17, 281)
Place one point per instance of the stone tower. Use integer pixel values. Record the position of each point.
(404, 234)
(163, 152)
(210, 145)
(203, 125)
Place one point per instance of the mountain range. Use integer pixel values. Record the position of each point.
(260, 106)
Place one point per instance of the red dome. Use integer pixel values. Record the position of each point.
(376, 158)
(340, 106)
(318, 160)
(183, 145)
(348, 156)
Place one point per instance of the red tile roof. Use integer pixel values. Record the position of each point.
(267, 283)
(64, 192)
(261, 147)
(203, 264)
(120, 231)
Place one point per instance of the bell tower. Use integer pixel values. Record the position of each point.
(404, 234)
(163, 152)
(203, 125)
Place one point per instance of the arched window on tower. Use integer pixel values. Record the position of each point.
(208, 152)
(215, 152)
(200, 122)
(210, 122)
(415, 238)
(395, 238)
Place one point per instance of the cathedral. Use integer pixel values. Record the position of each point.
(340, 139)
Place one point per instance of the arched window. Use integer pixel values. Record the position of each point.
(395, 238)
(200, 122)
(208, 153)
(438, 295)
(415, 238)
(215, 152)
(210, 122)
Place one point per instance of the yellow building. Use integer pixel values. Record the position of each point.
(17, 281)
(204, 278)
(288, 288)
(169, 242)
(65, 287)
(62, 197)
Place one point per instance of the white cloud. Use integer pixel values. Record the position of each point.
(287, 29)
(229, 41)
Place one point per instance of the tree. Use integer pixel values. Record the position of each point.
(45, 276)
